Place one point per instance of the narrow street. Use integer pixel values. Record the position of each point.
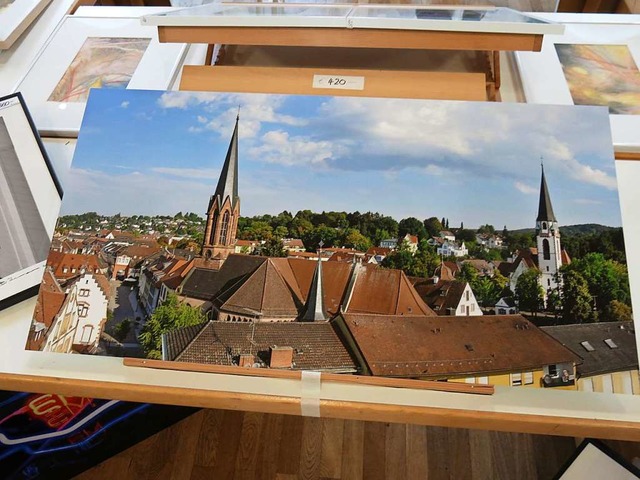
(124, 305)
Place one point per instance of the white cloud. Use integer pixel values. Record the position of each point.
(182, 100)
(125, 104)
(524, 188)
(278, 147)
(188, 172)
(202, 119)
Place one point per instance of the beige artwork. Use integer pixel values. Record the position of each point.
(100, 63)
(5, 3)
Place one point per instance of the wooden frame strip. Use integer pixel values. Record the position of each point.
(431, 85)
(423, 415)
(635, 156)
(475, 388)
(358, 38)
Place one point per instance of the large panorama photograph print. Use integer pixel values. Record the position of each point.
(458, 241)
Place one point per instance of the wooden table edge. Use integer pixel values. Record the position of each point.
(377, 412)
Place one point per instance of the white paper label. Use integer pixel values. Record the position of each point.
(340, 82)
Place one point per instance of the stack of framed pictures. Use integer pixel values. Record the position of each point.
(592, 63)
(92, 52)
(15, 17)
(30, 196)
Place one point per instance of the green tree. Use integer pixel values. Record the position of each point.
(529, 294)
(170, 315)
(425, 261)
(412, 226)
(433, 226)
(576, 299)
(273, 248)
(465, 235)
(617, 311)
(352, 238)
(401, 259)
(607, 280)
(281, 232)
(467, 273)
(122, 329)
(487, 229)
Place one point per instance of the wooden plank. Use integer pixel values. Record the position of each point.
(357, 38)
(332, 446)
(378, 83)
(417, 448)
(423, 415)
(374, 451)
(353, 450)
(627, 156)
(327, 377)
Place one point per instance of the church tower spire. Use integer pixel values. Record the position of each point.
(224, 207)
(547, 239)
(545, 209)
(315, 299)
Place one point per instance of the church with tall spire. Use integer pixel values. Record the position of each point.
(224, 208)
(547, 239)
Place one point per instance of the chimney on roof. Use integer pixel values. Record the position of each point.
(246, 360)
(281, 357)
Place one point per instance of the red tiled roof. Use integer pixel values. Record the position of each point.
(379, 251)
(385, 292)
(441, 296)
(316, 346)
(59, 261)
(439, 347)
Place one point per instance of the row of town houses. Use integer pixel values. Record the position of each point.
(335, 310)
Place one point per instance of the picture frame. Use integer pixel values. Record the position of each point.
(543, 79)
(153, 66)
(403, 17)
(15, 17)
(31, 197)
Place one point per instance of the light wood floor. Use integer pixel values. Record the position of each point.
(219, 445)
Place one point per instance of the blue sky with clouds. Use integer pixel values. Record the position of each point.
(149, 152)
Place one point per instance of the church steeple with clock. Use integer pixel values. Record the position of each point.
(547, 239)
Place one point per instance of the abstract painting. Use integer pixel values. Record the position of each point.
(604, 75)
(100, 63)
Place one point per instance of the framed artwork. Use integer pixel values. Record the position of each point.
(590, 64)
(87, 52)
(470, 19)
(30, 196)
(231, 232)
(15, 17)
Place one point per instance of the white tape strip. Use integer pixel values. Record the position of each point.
(310, 394)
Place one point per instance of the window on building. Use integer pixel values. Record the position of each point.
(65, 269)
(467, 293)
(516, 379)
(548, 282)
(214, 225)
(87, 330)
(587, 346)
(610, 343)
(73, 270)
(483, 380)
(547, 268)
(83, 310)
(553, 370)
(528, 378)
(224, 228)
(84, 292)
(473, 307)
(546, 250)
(544, 225)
